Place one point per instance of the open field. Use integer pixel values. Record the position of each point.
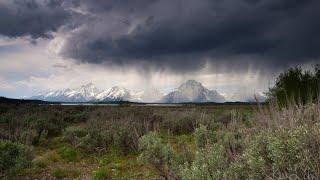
(159, 142)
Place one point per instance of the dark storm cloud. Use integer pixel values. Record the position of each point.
(34, 18)
(181, 35)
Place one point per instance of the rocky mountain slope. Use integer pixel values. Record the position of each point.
(193, 91)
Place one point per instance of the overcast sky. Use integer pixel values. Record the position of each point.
(138, 44)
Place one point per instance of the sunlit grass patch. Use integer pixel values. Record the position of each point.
(69, 154)
(61, 173)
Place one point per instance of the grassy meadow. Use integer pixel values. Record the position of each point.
(140, 142)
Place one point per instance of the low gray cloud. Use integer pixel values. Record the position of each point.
(181, 35)
(60, 66)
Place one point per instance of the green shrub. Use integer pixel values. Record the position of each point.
(180, 125)
(125, 138)
(252, 163)
(6, 118)
(106, 138)
(186, 149)
(209, 163)
(73, 133)
(99, 138)
(281, 154)
(54, 157)
(31, 124)
(69, 154)
(75, 116)
(203, 136)
(53, 126)
(101, 174)
(29, 137)
(88, 140)
(65, 173)
(14, 156)
(100, 134)
(41, 164)
(157, 154)
(88, 143)
(290, 151)
(232, 142)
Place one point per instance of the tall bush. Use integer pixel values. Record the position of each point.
(296, 86)
(14, 156)
(157, 154)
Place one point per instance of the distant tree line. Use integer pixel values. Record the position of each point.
(296, 85)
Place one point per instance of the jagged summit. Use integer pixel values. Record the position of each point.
(87, 90)
(115, 93)
(190, 84)
(193, 91)
(83, 93)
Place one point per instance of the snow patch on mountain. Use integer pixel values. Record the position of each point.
(193, 91)
(89, 93)
(84, 93)
(114, 94)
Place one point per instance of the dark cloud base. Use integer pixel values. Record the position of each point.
(180, 35)
(35, 18)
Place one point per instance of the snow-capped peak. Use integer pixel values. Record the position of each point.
(191, 84)
(115, 93)
(87, 91)
(84, 93)
(193, 91)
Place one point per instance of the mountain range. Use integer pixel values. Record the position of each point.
(90, 93)
(190, 91)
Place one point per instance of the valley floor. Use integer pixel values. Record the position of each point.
(178, 142)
